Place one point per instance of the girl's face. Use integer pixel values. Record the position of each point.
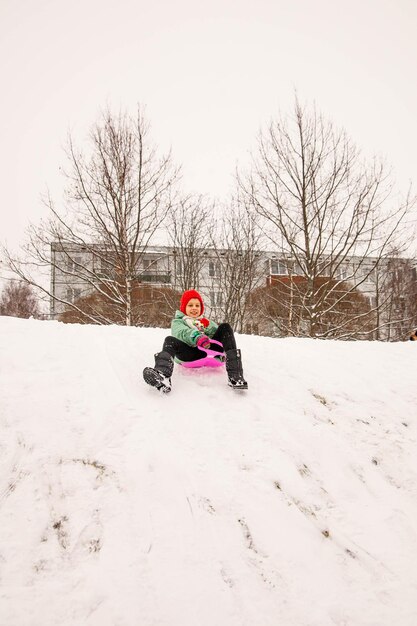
(193, 308)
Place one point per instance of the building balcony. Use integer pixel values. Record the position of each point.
(155, 277)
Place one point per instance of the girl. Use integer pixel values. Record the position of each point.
(189, 331)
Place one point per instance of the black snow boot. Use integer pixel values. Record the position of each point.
(234, 369)
(160, 375)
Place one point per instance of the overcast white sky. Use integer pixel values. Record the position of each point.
(209, 73)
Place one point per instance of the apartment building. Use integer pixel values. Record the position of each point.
(74, 269)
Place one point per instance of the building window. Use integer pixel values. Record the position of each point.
(73, 294)
(214, 269)
(278, 267)
(323, 268)
(73, 263)
(216, 298)
(150, 264)
(97, 263)
(285, 267)
(341, 272)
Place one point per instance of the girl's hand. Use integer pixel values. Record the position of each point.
(203, 342)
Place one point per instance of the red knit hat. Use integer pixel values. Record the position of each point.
(187, 296)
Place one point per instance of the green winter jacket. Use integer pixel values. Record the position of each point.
(189, 335)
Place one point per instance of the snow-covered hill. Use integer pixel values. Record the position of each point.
(293, 504)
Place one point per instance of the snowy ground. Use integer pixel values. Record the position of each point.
(293, 504)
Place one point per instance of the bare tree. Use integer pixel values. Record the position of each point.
(237, 264)
(326, 213)
(117, 197)
(19, 300)
(396, 298)
(189, 226)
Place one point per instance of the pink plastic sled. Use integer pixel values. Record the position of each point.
(208, 360)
